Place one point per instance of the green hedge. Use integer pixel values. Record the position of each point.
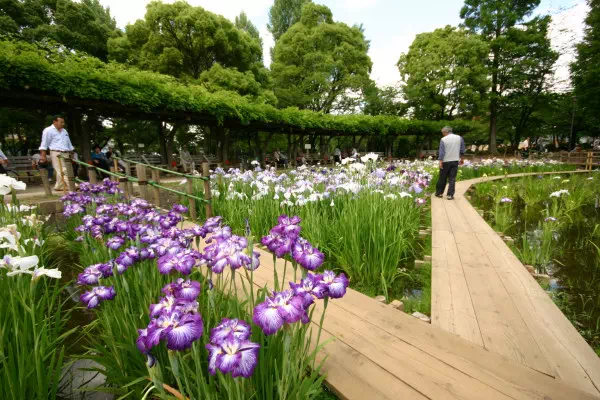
(26, 67)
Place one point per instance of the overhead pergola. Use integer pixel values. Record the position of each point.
(38, 78)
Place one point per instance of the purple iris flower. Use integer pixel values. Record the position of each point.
(165, 305)
(238, 357)
(147, 253)
(309, 287)
(220, 233)
(97, 295)
(183, 289)
(306, 255)
(288, 226)
(278, 244)
(420, 201)
(280, 308)
(165, 246)
(129, 257)
(183, 262)
(227, 252)
(179, 208)
(234, 328)
(93, 273)
(115, 242)
(178, 329)
(336, 285)
(415, 187)
(72, 209)
(212, 223)
(506, 200)
(199, 231)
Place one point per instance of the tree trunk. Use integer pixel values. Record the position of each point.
(86, 148)
(494, 104)
(164, 158)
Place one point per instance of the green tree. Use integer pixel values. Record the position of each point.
(184, 41)
(585, 71)
(527, 77)
(494, 20)
(85, 25)
(230, 79)
(283, 14)
(444, 74)
(243, 23)
(319, 63)
(386, 100)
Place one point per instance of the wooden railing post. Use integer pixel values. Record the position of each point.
(124, 186)
(70, 174)
(190, 191)
(207, 194)
(92, 177)
(128, 173)
(45, 181)
(140, 170)
(156, 179)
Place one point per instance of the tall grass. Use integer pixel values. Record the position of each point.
(33, 320)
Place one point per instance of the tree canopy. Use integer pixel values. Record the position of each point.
(318, 62)
(79, 25)
(444, 74)
(283, 14)
(184, 41)
(496, 22)
(586, 69)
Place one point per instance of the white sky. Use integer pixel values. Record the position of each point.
(390, 25)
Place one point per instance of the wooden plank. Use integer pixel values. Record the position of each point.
(353, 376)
(502, 326)
(457, 223)
(463, 311)
(439, 219)
(442, 312)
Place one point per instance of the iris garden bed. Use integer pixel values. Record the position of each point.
(555, 222)
(163, 315)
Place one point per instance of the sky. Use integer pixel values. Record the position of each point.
(390, 25)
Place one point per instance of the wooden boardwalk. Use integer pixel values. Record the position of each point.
(483, 293)
(377, 352)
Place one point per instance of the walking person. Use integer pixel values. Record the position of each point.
(337, 155)
(3, 162)
(56, 141)
(452, 148)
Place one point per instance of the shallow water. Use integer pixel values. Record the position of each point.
(574, 265)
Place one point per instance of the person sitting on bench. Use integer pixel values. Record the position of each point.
(99, 159)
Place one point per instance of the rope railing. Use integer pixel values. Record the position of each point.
(127, 180)
(167, 171)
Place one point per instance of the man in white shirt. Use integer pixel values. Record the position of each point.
(55, 140)
(452, 148)
(3, 162)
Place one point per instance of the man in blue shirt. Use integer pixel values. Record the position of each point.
(452, 148)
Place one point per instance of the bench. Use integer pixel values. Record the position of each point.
(21, 166)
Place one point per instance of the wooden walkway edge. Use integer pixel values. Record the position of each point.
(483, 293)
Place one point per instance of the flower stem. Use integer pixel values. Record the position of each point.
(175, 368)
(325, 302)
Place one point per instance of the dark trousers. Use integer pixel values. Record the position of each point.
(447, 173)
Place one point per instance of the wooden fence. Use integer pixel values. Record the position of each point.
(127, 180)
